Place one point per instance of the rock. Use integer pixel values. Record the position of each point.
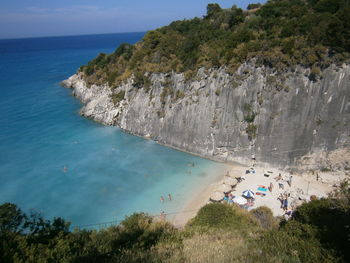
(229, 117)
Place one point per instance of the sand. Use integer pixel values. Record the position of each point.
(303, 186)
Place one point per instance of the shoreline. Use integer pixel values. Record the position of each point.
(303, 186)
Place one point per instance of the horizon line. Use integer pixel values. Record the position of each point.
(77, 35)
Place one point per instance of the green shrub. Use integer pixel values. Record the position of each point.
(315, 73)
(140, 80)
(139, 230)
(222, 216)
(251, 131)
(322, 214)
(280, 34)
(118, 97)
(265, 217)
(253, 6)
(295, 244)
(248, 113)
(179, 94)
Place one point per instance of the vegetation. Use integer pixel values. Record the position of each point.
(249, 114)
(118, 97)
(251, 131)
(279, 34)
(317, 232)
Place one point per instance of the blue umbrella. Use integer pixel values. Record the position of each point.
(248, 194)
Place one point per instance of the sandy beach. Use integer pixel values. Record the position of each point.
(302, 187)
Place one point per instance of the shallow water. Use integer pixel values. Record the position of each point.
(109, 174)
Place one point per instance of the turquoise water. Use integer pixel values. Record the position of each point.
(109, 174)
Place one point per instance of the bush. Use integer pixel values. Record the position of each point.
(265, 217)
(251, 131)
(222, 216)
(322, 214)
(280, 34)
(315, 73)
(253, 6)
(297, 243)
(118, 97)
(140, 80)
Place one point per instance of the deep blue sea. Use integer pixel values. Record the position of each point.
(109, 174)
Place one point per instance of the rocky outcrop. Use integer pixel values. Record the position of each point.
(255, 112)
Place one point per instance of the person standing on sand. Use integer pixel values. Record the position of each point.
(169, 197)
(285, 204)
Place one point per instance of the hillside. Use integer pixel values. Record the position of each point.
(270, 82)
(280, 34)
(317, 232)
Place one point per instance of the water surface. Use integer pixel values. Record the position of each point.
(109, 174)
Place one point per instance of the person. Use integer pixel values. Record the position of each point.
(285, 204)
(271, 187)
(281, 186)
(169, 197)
(279, 177)
(281, 199)
(65, 169)
(317, 177)
(161, 198)
(226, 198)
(290, 180)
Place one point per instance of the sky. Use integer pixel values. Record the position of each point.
(35, 18)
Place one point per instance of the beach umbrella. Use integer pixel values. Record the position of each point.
(239, 200)
(224, 188)
(248, 194)
(230, 181)
(217, 196)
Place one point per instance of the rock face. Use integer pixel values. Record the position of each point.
(276, 118)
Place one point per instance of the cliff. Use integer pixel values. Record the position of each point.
(280, 119)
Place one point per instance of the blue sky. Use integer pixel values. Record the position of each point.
(33, 18)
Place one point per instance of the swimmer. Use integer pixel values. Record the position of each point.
(65, 169)
(162, 199)
(169, 197)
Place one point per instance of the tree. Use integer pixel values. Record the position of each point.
(12, 219)
(253, 6)
(212, 9)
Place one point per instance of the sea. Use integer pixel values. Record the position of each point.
(59, 164)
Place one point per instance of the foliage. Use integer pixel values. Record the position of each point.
(317, 232)
(251, 131)
(265, 217)
(248, 113)
(295, 242)
(253, 6)
(223, 216)
(279, 34)
(321, 215)
(118, 97)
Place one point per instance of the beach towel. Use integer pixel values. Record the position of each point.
(262, 186)
(259, 193)
(262, 189)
